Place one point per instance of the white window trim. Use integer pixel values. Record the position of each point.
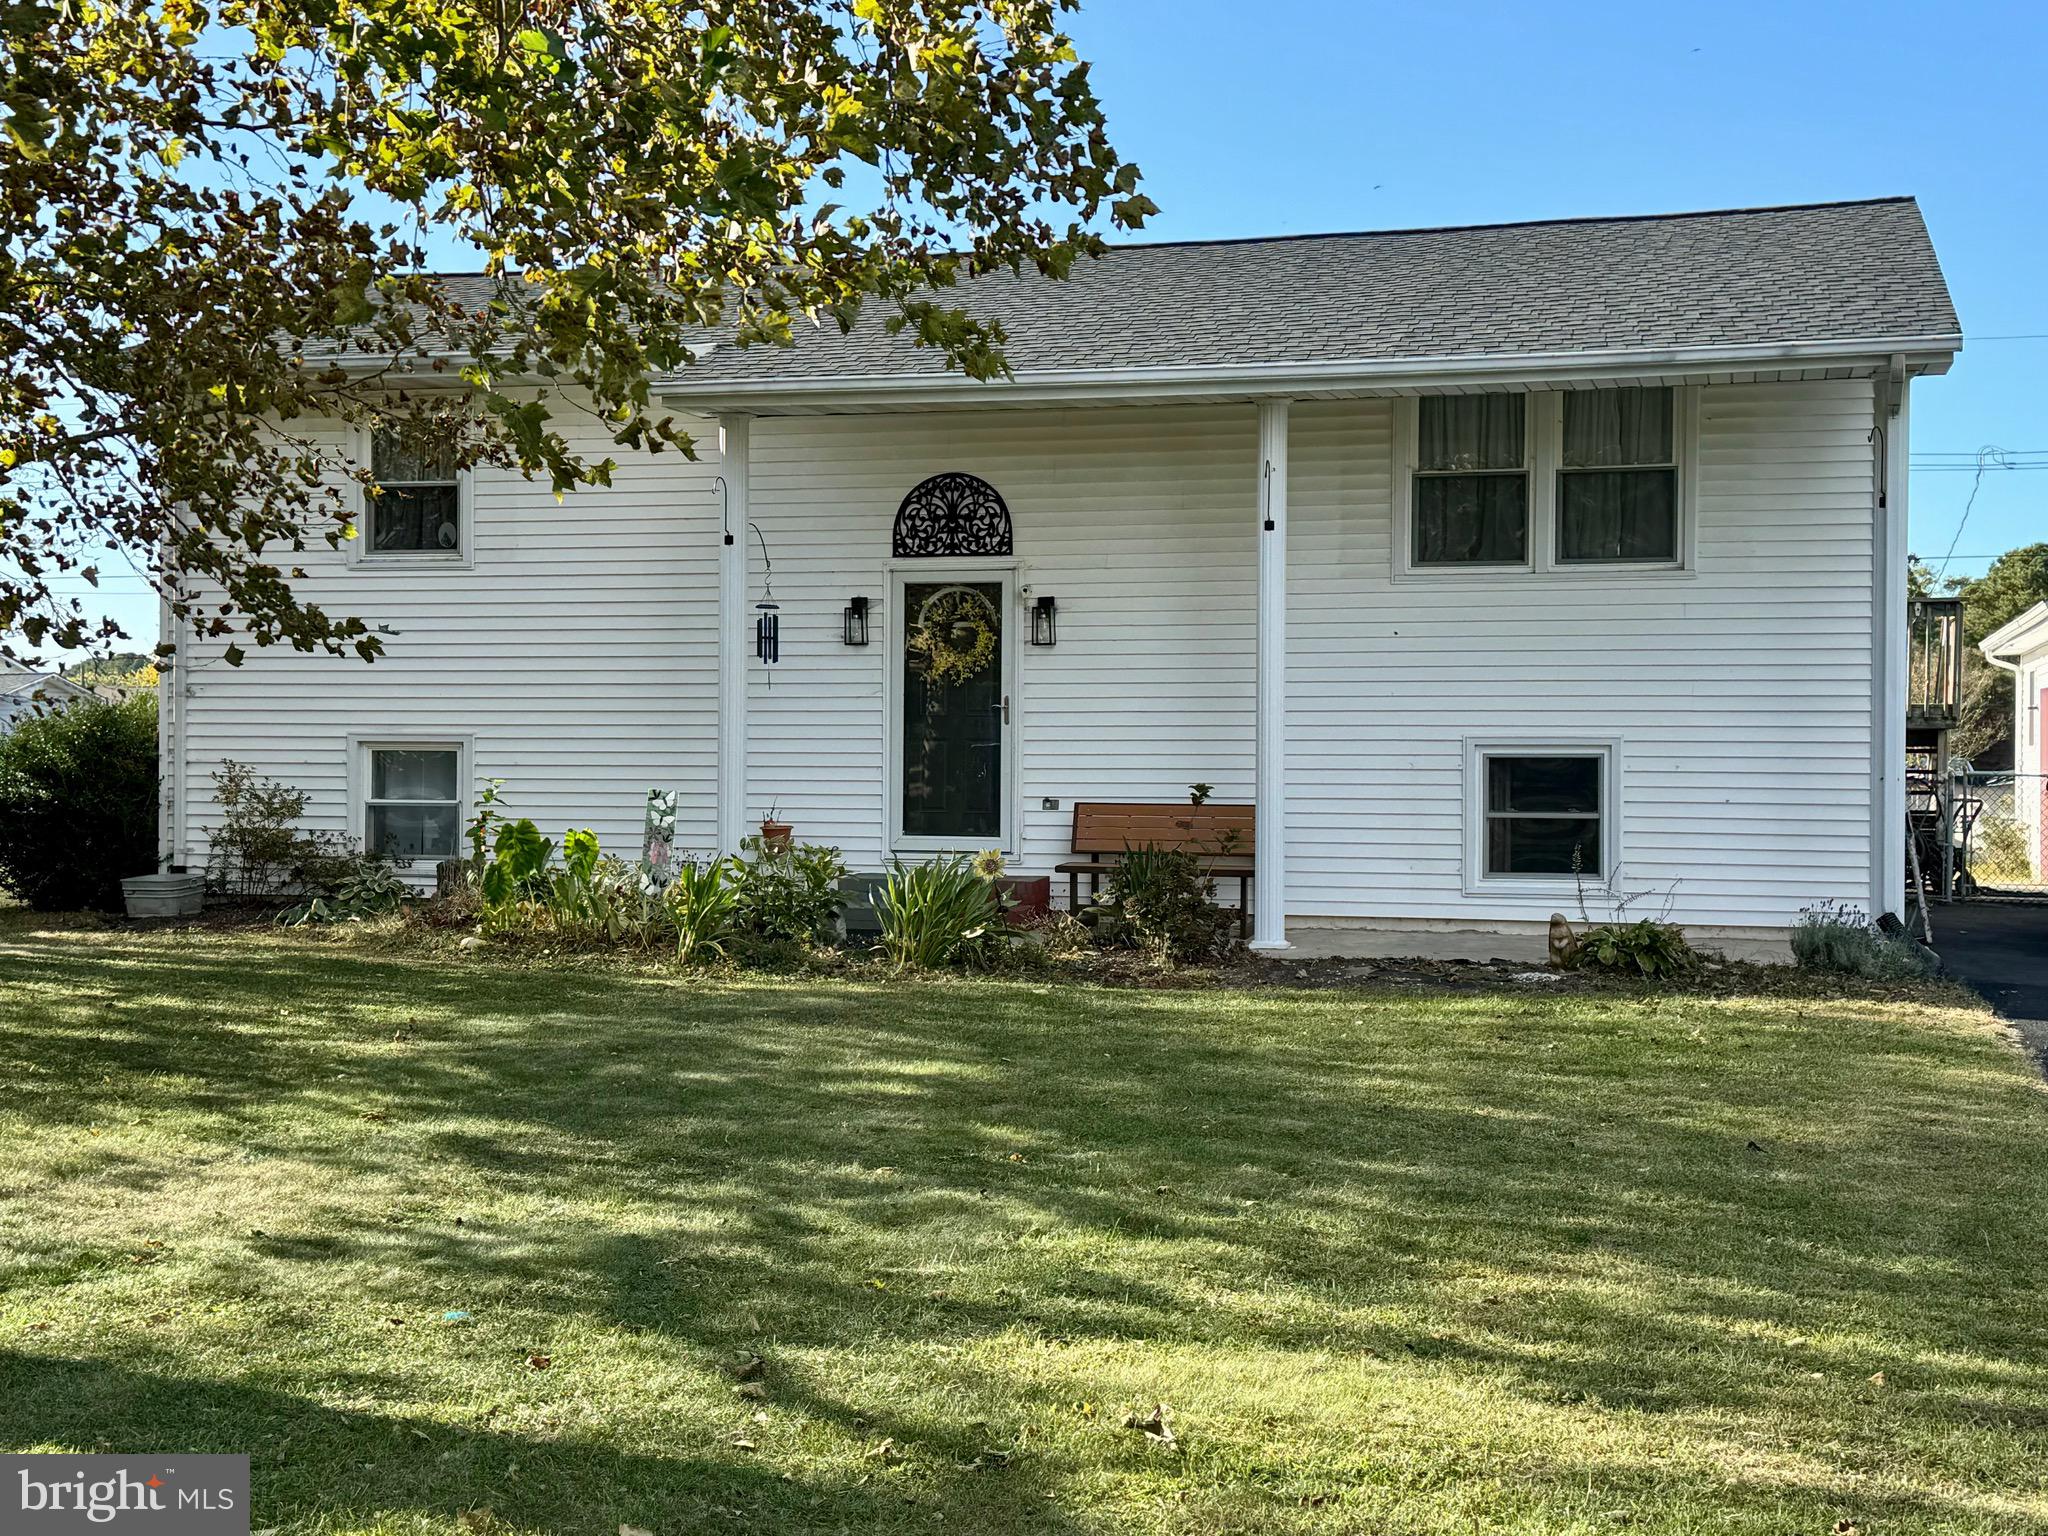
(358, 549)
(1544, 421)
(1010, 573)
(1478, 882)
(360, 746)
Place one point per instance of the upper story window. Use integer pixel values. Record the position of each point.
(414, 807)
(418, 510)
(1617, 477)
(1471, 490)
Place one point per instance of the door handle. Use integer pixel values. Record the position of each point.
(1006, 709)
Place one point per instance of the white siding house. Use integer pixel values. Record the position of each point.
(1448, 550)
(2020, 648)
(25, 691)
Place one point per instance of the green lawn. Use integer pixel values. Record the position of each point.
(1399, 1261)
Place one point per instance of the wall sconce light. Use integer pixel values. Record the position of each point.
(1044, 623)
(768, 633)
(856, 617)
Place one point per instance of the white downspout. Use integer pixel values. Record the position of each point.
(1888, 883)
(734, 448)
(169, 727)
(1269, 910)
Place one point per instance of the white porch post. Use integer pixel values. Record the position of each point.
(732, 635)
(1269, 911)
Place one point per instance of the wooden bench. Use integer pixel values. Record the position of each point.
(1104, 830)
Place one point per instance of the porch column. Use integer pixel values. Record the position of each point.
(1269, 911)
(732, 634)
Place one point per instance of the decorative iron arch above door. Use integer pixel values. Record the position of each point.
(951, 514)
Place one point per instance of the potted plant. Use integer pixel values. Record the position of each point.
(775, 835)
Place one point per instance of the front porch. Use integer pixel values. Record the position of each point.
(1222, 591)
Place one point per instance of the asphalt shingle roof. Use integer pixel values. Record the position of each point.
(1746, 277)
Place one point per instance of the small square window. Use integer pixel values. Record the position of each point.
(1471, 486)
(416, 508)
(1617, 480)
(414, 808)
(1543, 814)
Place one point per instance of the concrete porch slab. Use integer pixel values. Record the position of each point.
(1521, 946)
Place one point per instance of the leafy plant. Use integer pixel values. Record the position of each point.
(1163, 900)
(788, 893)
(1646, 948)
(78, 803)
(370, 888)
(932, 913)
(519, 860)
(256, 852)
(581, 898)
(703, 904)
(1843, 939)
(484, 824)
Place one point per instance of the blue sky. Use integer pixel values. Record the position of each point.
(1297, 115)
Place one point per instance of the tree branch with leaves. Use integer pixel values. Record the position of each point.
(219, 218)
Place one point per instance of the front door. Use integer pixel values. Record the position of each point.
(953, 659)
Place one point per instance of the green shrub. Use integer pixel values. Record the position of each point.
(257, 852)
(78, 803)
(1843, 940)
(935, 913)
(1999, 851)
(703, 904)
(1162, 900)
(789, 894)
(1646, 948)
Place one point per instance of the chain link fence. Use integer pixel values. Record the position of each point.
(2001, 833)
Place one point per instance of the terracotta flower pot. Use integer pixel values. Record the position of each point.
(776, 835)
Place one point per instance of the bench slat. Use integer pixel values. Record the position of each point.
(1102, 826)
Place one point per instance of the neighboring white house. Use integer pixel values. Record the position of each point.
(2020, 647)
(1454, 550)
(24, 690)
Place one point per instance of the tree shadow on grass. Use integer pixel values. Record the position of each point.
(1563, 1204)
(349, 1465)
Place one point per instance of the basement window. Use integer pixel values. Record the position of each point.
(1541, 812)
(413, 811)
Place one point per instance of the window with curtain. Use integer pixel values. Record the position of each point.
(1617, 479)
(418, 508)
(414, 808)
(1543, 815)
(1471, 489)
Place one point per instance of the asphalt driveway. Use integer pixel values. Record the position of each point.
(2001, 949)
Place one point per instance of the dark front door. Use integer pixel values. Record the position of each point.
(954, 703)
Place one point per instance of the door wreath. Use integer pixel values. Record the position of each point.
(956, 635)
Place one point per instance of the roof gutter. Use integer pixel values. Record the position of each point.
(1921, 354)
(2003, 642)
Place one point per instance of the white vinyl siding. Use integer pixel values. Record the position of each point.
(1742, 689)
(576, 656)
(579, 653)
